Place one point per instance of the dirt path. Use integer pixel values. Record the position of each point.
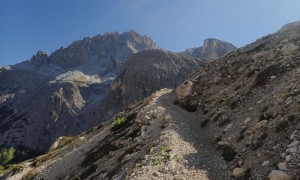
(187, 125)
(191, 152)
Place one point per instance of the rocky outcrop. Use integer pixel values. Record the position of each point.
(255, 91)
(145, 73)
(211, 49)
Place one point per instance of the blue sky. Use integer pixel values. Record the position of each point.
(27, 26)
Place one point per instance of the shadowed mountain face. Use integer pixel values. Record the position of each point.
(211, 49)
(51, 96)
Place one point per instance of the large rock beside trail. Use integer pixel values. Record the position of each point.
(279, 175)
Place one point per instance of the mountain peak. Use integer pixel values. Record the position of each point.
(212, 49)
(97, 54)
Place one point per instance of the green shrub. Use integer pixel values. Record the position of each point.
(6, 155)
(228, 153)
(1, 169)
(118, 123)
(164, 156)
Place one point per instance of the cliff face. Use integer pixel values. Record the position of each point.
(51, 96)
(211, 49)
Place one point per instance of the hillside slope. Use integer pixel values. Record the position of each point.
(249, 100)
(158, 140)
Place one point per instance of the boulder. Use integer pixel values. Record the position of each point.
(279, 175)
(282, 166)
(238, 172)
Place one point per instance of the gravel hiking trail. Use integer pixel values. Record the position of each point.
(187, 125)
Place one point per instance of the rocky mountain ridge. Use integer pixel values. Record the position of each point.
(50, 96)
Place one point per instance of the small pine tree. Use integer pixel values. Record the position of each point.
(6, 155)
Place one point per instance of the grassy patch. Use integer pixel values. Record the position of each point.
(164, 155)
(118, 123)
(64, 141)
(41, 159)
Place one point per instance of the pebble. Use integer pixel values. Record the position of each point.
(260, 124)
(247, 120)
(292, 150)
(265, 163)
(293, 144)
(282, 166)
(288, 158)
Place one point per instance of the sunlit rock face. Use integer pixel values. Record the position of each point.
(211, 49)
